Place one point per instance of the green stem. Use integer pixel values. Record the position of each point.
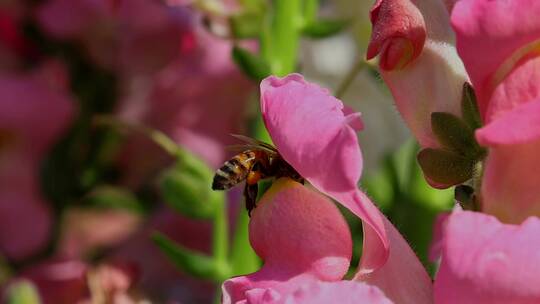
(280, 36)
(160, 138)
(351, 75)
(243, 259)
(221, 240)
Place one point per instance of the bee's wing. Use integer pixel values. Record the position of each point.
(254, 143)
(244, 147)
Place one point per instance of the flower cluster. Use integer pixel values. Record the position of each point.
(464, 76)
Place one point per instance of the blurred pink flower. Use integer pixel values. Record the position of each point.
(158, 276)
(84, 230)
(485, 261)
(507, 85)
(135, 36)
(313, 134)
(418, 61)
(69, 281)
(33, 116)
(58, 281)
(14, 47)
(198, 100)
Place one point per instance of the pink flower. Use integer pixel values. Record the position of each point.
(132, 37)
(301, 236)
(485, 261)
(84, 230)
(33, 116)
(198, 100)
(14, 47)
(65, 281)
(312, 133)
(306, 245)
(58, 281)
(430, 76)
(159, 278)
(507, 84)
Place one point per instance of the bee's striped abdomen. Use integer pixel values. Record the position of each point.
(233, 171)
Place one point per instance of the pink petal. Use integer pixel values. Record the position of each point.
(491, 37)
(518, 126)
(25, 218)
(398, 33)
(301, 236)
(343, 292)
(84, 230)
(520, 86)
(25, 221)
(437, 77)
(435, 247)
(25, 99)
(402, 278)
(312, 134)
(307, 124)
(485, 261)
(510, 188)
(65, 19)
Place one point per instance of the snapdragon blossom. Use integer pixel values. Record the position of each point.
(316, 135)
(483, 260)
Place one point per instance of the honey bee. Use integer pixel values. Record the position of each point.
(257, 161)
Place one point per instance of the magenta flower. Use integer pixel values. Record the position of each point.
(59, 281)
(33, 116)
(314, 135)
(508, 89)
(485, 261)
(198, 100)
(132, 37)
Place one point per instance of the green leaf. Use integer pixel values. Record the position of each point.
(324, 28)
(454, 134)
(253, 66)
(469, 107)
(194, 263)
(22, 292)
(107, 196)
(445, 168)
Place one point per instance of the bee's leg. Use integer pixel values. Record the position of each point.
(250, 195)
